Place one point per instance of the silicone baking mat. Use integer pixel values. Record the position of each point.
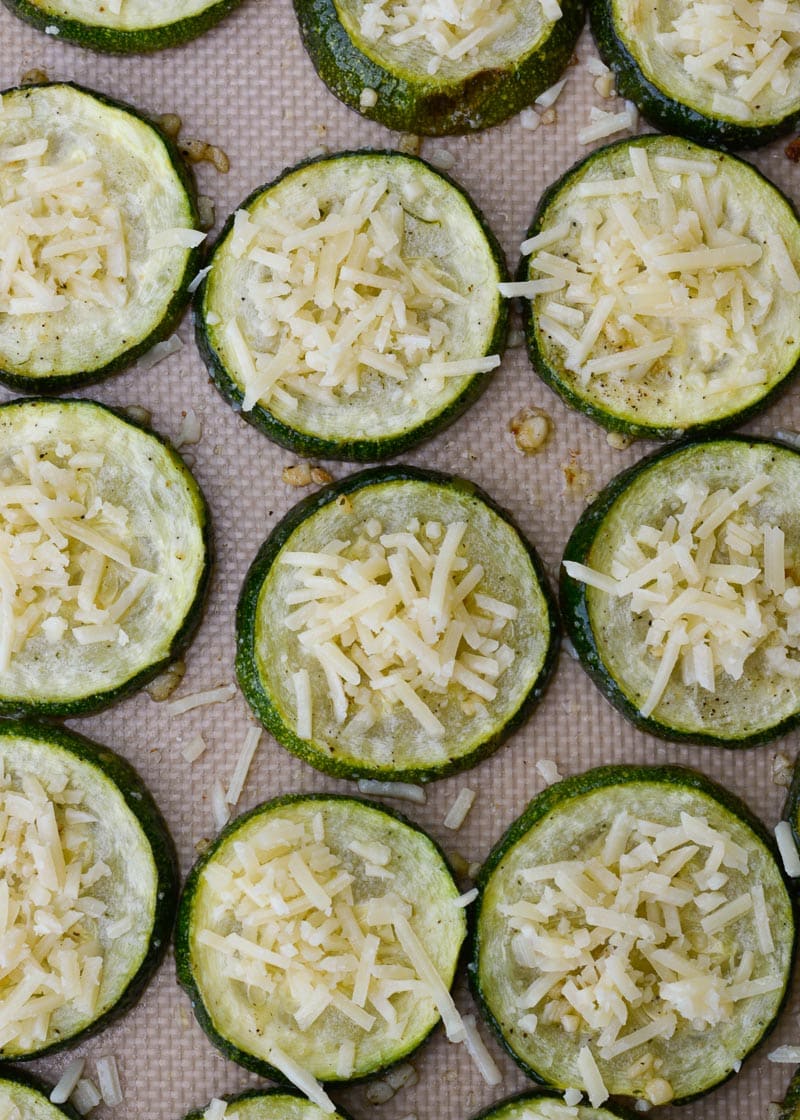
(248, 87)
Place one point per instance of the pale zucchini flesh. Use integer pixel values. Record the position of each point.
(385, 414)
(246, 1030)
(30, 1100)
(166, 537)
(144, 183)
(573, 823)
(395, 747)
(761, 702)
(696, 385)
(641, 27)
(134, 889)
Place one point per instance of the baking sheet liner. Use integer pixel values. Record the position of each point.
(249, 87)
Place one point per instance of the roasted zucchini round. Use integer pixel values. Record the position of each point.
(90, 883)
(724, 76)
(352, 308)
(98, 235)
(26, 1098)
(104, 556)
(395, 625)
(634, 935)
(416, 71)
(662, 288)
(136, 25)
(704, 650)
(542, 1105)
(272, 1104)
(310, 878)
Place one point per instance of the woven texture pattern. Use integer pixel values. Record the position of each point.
(248, 87)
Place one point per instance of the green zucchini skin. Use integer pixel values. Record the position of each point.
(15, 706)
(551, 375)
(508, 1109)
(253, 686)
(266, 1102)
(59, 382)
(139, 801)
(555, 797)
(575, 614)
(116, 40)
(790, 1105)
(668, 113)
(185, 971)
(357, 449)
(418, 103)
(17, 1080)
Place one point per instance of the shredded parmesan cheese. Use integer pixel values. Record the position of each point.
(443, 31)
(65, 567)
(50, 940)
(339, 297)
(389, 624)
(61, 237)
(620, 940)
(287, 924)
(664, 275)
(712, 581)
(740, 53)
(457, 813)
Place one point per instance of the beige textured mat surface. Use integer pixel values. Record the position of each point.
(249, 87)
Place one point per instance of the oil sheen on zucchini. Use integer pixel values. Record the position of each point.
(384, 59)
(139, 25)
(633, 860)
(30, 1099)
(104, 541)
(543, 1105)
(89, 838)
(757, 696)
(658, 53)
(312, 849)
(272, 1104)
(78, 306)
(363, 718)
(668, 292)
(333, 290)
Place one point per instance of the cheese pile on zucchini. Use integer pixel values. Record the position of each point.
(448, 29)
(661, 273)
(61, 236)
(741, 50)
(386, 618)
(713, 582)
(653, 927)
(286, 927)
(65, 565)
(52, 956)
(341, 295)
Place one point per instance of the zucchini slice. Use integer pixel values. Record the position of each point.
(104, 550)
(678, 62)
(634, 934)
(410, 66)
(396, 274)
(355, 647)
(26, 1098)
(790, 1105)
(98, 235)
(367, 886)
(665, 292)
(137, 25)
(706, 653)
(83, 834)
(272, 1104)
(547, 1106)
